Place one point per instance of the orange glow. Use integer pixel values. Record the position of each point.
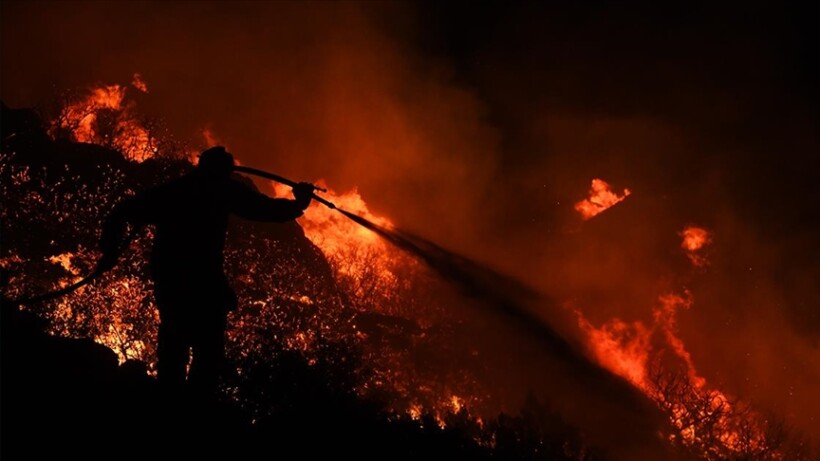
(705, 418)
(81, 117)
(621, 347)
(456, 403)
(339, 238)
(665, 315)
(64, 260)
(376, 274)
(106, 118)
(138, 83)
(601, 197)
(695, 239)
(210, 138)
(415, 411)
(118, 311)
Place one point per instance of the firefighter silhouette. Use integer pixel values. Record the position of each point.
(190, 215)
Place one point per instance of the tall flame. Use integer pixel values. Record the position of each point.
(706, 419)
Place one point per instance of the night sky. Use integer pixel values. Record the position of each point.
(479, 124)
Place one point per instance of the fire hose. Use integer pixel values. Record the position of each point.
(62, 291)
(285, 181)
(98, 271)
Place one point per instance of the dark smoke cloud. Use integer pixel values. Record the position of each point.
(480, 125)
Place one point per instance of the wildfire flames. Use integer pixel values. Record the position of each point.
(118, 312)
(337, 235)
(695, 239)
(138, 83)
(106, 117)
(654, 358)
(601, 197)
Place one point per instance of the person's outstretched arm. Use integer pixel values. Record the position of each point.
(250, 204)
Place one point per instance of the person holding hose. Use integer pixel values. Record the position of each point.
(192, 293)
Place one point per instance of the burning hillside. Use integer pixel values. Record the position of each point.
(332, 282)
(106, 117)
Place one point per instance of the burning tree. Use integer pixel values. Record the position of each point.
(715, 427)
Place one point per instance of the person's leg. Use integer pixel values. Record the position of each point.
(172, 352)
(208, 352)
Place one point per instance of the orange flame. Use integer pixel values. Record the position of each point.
(375, 273)
(64, 260)
(703, 416)
(81, 117)
(104, 117)
(338, 236)
(665, 316)
(695, 239)
(210, 138)
(138, 83)
(601, 197)
(625, 348)
(621, 347)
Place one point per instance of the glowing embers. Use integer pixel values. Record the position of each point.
(695, 240)
(601, 197)
(104, 116)
(64, 261)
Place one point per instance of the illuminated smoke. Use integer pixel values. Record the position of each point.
(210, 138)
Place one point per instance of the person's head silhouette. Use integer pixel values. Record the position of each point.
(216, 163)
